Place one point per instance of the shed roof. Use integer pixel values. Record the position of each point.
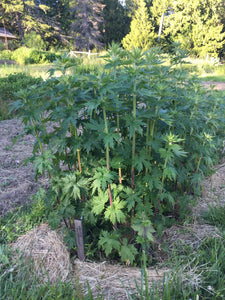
(6, 33)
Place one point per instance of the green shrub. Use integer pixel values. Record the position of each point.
(132, 139)
(2, 46)
(6, 54)
(37, 57)
(25, 55)
(21, 55)
(34, 41)
(11, 84)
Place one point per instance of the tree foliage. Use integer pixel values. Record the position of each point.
(87, 19)
(197, 25)
(141, 30)
(116, 22)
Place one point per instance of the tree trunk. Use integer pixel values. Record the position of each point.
(19, 24)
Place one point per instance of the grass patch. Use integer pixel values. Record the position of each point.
(9, 86)
(217, 78)
(215, 216)
(35, 71)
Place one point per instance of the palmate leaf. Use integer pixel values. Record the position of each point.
(66, 210)
(99, 202)
(70, 239)
(95, 125)
(132, 198)
(153, 179)
(134, 125)
(144, 227)
(142, 161)
(177, 150)
(53, 220)
(110, 139)
(128, 252)
(72, 185)
(109, 241)
(114, 213)
(101, 179)
(170, 172)
(44, 162)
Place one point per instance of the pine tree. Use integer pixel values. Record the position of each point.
(25, 15)
(197, 24)
(141, 30)
(116, 23)
(85, 28)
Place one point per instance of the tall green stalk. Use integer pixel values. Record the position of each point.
(134, 134)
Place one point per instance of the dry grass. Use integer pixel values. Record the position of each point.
(45, 248)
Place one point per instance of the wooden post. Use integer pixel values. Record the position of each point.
(79, 239)
(6, 40)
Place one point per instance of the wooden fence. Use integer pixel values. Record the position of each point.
(74, 53)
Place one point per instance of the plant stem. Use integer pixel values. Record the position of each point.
(38, 138)
(78, 158)
(107, 160)
(134, 134)
(107, 131)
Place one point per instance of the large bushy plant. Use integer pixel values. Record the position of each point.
(122, 147)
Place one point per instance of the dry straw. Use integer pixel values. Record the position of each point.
(48, 253)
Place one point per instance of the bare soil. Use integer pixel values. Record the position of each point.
(17, 182)
(17, 185)
(220, 86)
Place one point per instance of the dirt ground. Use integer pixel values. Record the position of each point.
(220, 86)
(17, 185)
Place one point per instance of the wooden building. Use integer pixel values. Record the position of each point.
(5, 35)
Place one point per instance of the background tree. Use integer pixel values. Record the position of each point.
(141, 30)
(87, 16)
(197, 25)
(116, 22)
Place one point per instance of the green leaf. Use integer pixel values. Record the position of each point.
(110, 139)
(101, 179)
(144, 227)
(72, 185)
(128, 252)
(170, 173)
(114, 213)
(132, 198)
(44, 162)
(53, 220)
(142, 161)
(70, 239)
(109, 241)
(99, 202)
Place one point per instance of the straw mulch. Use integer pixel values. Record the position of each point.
(114, 281)
(46, 250)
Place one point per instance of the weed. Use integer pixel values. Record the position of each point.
(133, 139)
(215, 215)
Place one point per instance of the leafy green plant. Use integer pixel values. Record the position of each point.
(23, 219)
(9, 86)
(121, 146)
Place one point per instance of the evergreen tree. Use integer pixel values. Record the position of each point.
(87, 16)
(141, 30)
(197, 24)
(116, 23)
(26, 15)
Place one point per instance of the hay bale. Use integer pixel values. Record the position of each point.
(45, 248)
